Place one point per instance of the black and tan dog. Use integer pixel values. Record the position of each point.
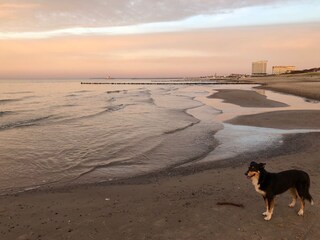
(271, 184)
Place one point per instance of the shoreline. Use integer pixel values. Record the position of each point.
(178, 170)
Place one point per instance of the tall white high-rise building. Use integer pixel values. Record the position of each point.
(259, 68)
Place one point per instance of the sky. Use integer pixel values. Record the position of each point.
(154, 38)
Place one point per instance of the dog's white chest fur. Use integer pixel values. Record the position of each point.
(257, 186)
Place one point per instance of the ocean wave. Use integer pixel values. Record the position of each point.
(114, 91)
(72, 95)
(182, 128)
(149, 100)
(4, 113)
(115, 107)
(9, 100)
(24, 123)
(68, 105)
(4, 101)
(83, 91)
(146, 96)
(108, 109)
(108, 165)
(77, 93)
(172, 151)
(11, 93)
(111, 99)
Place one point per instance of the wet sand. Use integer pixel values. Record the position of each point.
(246, 98)
(178, 204)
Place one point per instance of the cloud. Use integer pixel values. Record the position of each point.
(247, 16)
(10, 11)
(223, 50)
(39, 15)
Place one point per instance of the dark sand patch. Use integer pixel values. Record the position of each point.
(299, 119)
(246, 98)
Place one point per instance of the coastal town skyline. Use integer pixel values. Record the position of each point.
(40, 39)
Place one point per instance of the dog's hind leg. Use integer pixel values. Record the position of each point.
(294, 194)
(301, 211)
(301, 194)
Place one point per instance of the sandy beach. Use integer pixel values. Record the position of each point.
(213, 201)
(305, 85)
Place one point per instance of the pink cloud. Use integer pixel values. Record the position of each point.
(221, 51)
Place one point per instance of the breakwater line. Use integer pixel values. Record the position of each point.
(169, 83)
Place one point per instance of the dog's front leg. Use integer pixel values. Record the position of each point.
(266, 203)
(270, 207)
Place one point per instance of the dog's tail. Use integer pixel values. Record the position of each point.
(303, 189)
(307, 194)
(309, 197)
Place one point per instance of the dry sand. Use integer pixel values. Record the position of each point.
(281, 119)
(304, 85)
(176, 204)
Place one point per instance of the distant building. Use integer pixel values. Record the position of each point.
(282, 69)
(259, 68)
(237, 76)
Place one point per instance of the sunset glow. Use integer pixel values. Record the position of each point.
(154, 39)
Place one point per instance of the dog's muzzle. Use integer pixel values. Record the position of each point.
(249, 177)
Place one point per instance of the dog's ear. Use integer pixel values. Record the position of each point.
(253, 164)
(261, 165)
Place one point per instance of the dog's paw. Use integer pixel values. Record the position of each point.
(291, 205)
(300, 213)
(268, 217)
(265, 213)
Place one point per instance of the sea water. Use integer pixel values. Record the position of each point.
(61, 131)
(55, 131)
